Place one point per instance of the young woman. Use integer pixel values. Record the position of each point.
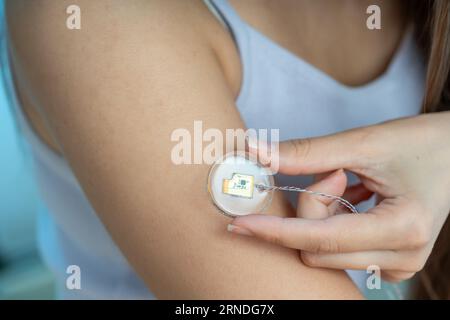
(99, 104)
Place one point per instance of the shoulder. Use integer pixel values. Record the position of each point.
(104, 22)
(135, 29)
(108, 13)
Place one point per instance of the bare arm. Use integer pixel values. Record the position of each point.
(113, 93)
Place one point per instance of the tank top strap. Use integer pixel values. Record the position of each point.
(241, 34)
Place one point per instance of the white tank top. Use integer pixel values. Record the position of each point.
(279, 90)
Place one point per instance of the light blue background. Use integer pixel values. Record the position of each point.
(22, 274)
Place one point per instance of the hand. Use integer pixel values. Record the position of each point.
(406, 162)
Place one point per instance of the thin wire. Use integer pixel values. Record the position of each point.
(342, 201)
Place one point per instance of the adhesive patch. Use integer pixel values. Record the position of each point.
(233, 181)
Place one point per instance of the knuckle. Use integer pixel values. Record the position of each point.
(416, 263)
(273, 238)
(328, 245)
(309, 259)
(414, 226)
(368, 141)
(276, 237)
(301, 147)
(418, 234)
(322, 239)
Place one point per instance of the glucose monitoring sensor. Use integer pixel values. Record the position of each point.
(235, 185)
(239, 186)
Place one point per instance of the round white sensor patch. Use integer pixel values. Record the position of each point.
(234, 185)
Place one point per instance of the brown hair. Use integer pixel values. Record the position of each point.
(432, 18)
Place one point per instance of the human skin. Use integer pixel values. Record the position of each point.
(108, 96)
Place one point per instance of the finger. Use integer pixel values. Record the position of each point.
(339, 233)
(357, 193)
(354, 194)
(312, 206)
(313, 155)
(399, 261)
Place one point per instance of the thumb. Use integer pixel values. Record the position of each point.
(313, 155)
(312, 206)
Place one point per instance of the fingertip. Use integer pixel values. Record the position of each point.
(334, 183)
(337, 175)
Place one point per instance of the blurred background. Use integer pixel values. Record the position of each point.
(22, 272)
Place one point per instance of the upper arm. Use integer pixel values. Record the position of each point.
(112, 94)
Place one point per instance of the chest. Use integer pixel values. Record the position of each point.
(331, 36)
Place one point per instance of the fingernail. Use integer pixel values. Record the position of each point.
(239, 230)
